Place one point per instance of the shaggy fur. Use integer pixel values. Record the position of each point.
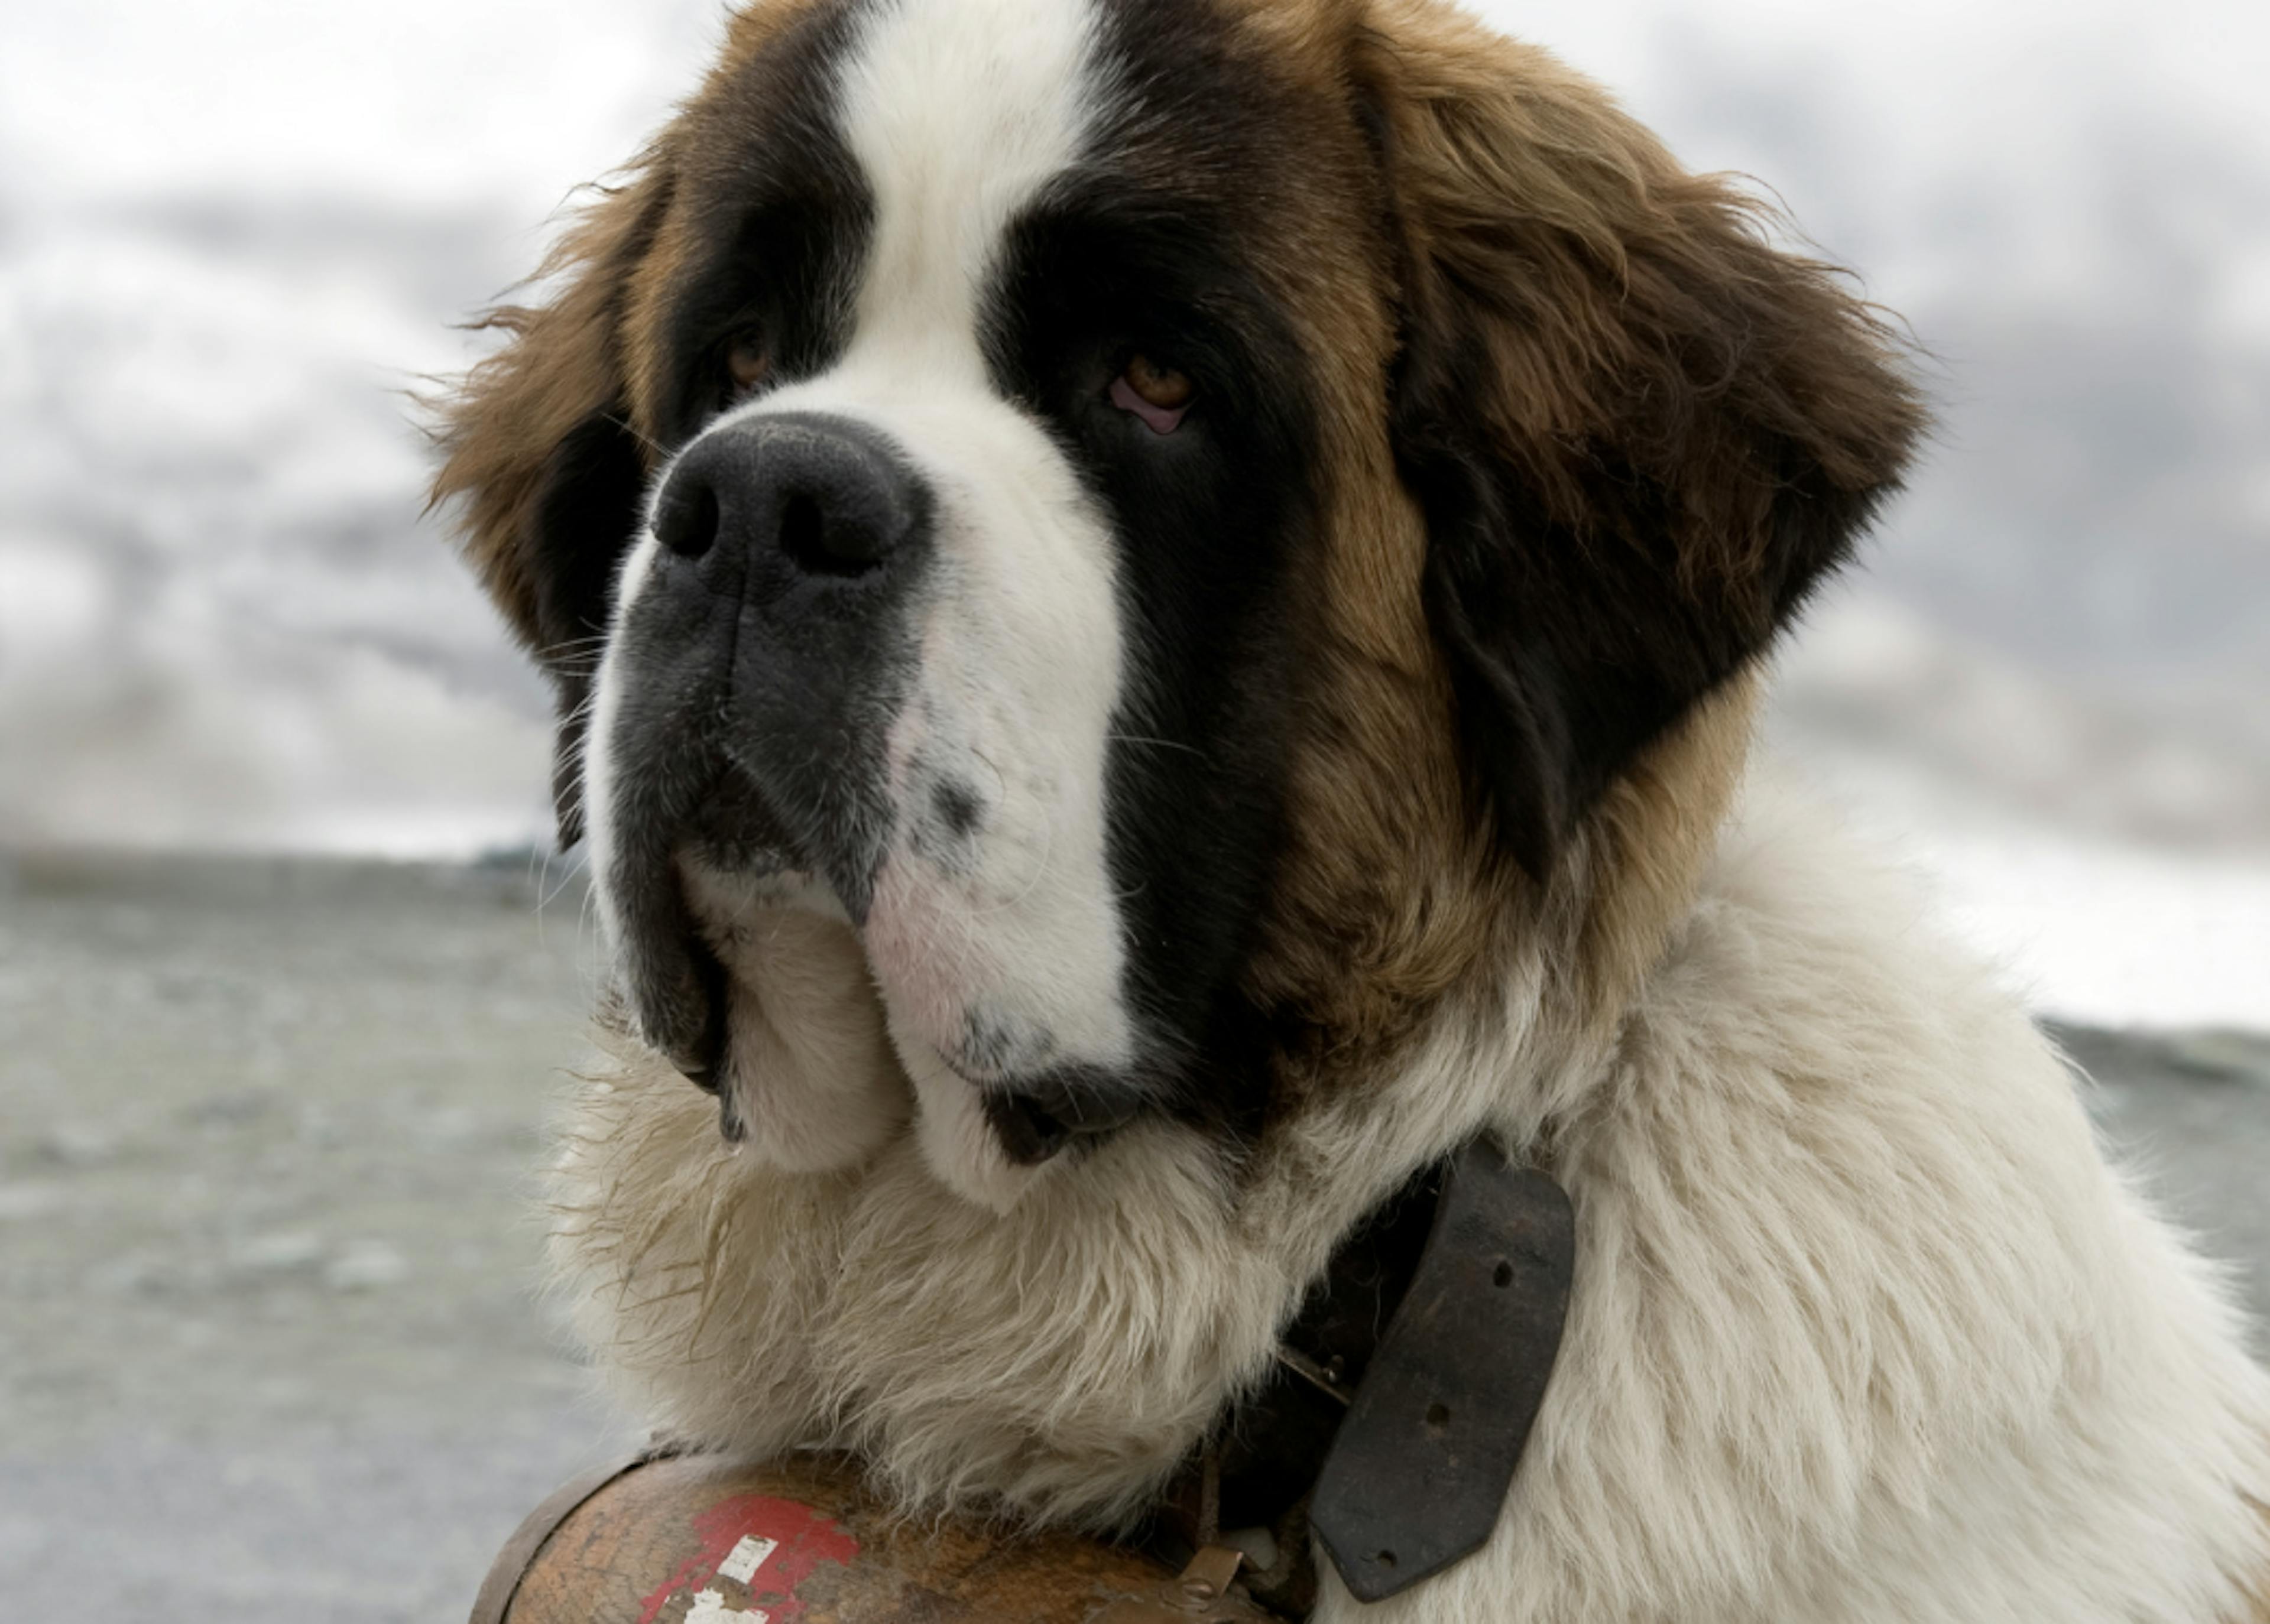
(1865, 1327)
(1549, 441)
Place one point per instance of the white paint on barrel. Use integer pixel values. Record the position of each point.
(746, 1558)
(709, 1608)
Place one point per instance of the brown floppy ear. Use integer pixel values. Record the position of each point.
(541, 454)
(1640, 433)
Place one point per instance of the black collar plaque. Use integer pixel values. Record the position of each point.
(1418, 1472)
(1405, 1391)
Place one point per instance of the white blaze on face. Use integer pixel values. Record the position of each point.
(960, 112)
(999, 924)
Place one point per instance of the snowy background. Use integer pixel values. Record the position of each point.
(234, 235)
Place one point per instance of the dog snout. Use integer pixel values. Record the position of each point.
(768, 646)
(794, 499)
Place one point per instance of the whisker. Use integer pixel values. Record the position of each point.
(631, 429)
(1160, 743)
(574, 863)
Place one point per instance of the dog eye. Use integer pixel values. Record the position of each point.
(749, 363)
(1158, 395)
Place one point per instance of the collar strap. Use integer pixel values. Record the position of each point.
(1404, 1389)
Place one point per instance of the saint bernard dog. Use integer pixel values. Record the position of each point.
(1158, 607)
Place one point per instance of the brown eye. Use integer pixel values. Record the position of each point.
(1158, 386)
(749, 363)
(1157, 394)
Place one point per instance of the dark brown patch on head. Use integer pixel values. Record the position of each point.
(1592, 440)
(541, 450)
(548, 444)
(549, 412)
(1640, 431)
(1374, 905)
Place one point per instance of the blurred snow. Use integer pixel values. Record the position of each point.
(2114, 865)
(234, 236)
(2114, 855)
(2112, 935)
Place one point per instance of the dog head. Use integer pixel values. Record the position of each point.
(1089, 550)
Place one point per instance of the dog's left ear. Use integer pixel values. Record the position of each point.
(540, 451)
(1640, 432)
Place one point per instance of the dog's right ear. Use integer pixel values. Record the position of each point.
(544, 461)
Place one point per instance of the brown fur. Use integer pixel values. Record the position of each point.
(1624, 302)
(1620, 301)
(1641, 433)
(564, 362)
(1385, 899)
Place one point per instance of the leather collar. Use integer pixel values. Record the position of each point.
(1403, 1393)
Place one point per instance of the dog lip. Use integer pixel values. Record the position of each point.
(691, 805)
(674, 986)
(690, 1030)
(1038, 1115)
(1030, 1136)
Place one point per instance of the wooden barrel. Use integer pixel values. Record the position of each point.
(697, 1541)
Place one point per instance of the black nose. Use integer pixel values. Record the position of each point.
(816, 495)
